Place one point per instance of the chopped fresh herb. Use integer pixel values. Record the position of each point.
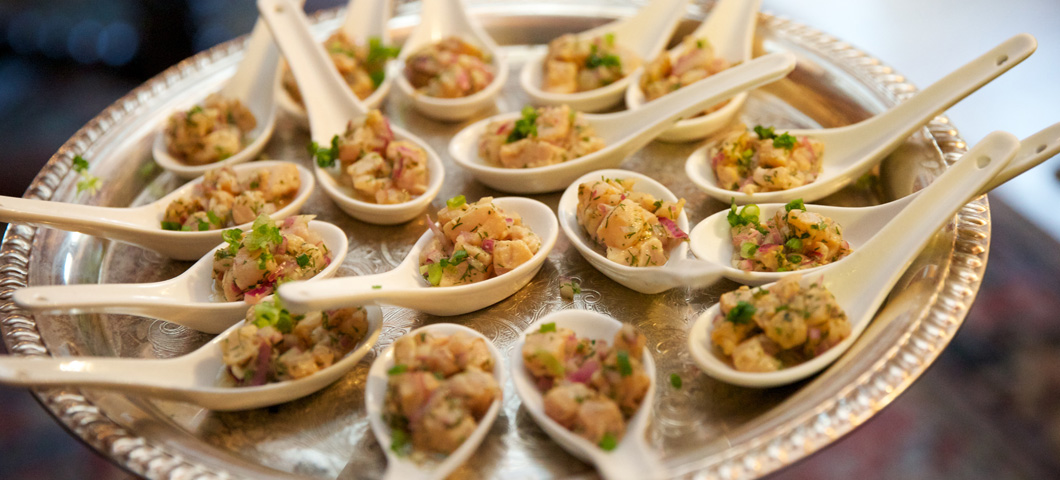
(263, 234)
(377, 78)
(379, 53)
(795, 204)
(785, 141)
(454, 259)
(399, 441)
(80, 164)
(551, 363)
(302, 260)
(569, 289)
(793, 244)
(609, 442)
(675, 381)
(741, 313)
(263, 260)
(434, 274)
(525, 126)
(764, 133)
(195, 110)
(203, 225)
(234, 237)
(271, 313)
(376, 287)
(398, 369)
(609, 39)
(88, 182)
(456, 202)
(747, 215)
(596, 60)
(793, 258)
(170, 225)
(658, 204)
(325, 156)
(548, 327)
(624, 367)
(214, 219)
(701, 43)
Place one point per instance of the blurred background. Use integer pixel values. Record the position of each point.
(988, 408)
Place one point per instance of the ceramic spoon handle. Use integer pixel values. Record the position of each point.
(87, 219)
(896, 124)
(390, 288)
(329, 101)
(256, 76)
(648, 30)
(907, 233)
(81, 371)
(734, 21)
(1034, 150)
(693, 273)
(632, 460)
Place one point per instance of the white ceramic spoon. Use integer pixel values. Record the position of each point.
(622, 132)
(861, 281)
(253, 84)
(440, 19)
(852, 150)
(645, 34)
(140, 225)
(332, 106)
(399, 467)
(730, 29)
(678, 271)
(711, 239)
(364, 19)
(189, 299)
(404, 286)
(194, 378)
(633, 458)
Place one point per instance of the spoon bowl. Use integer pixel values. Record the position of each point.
(364, 19)
(729, 28)
(404, 286)
(622, 132)
(189, 299)
(331, 106)
(645, 34)
(711, 241)
(194, 378)
(440, 19)
(375, 400)
(633, 458)
(252, 84)
(142, 225)
(862, 280)
(677, 271)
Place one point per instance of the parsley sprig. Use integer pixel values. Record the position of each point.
(595, 60)
(783, 140)
(88, 182)
(325, 156)
(272, 313)
(525, 126)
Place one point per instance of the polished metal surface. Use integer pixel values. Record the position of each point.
(704, 429)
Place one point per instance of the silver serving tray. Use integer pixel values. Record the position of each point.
(705, 427)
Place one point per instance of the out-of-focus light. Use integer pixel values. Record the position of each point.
(83, 40)
(22, 32)
(211, 34)
(118, 44)
(51, 36)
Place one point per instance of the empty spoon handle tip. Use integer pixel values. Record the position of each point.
(1034, 150)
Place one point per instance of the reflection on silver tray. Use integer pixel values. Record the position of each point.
(704, 427)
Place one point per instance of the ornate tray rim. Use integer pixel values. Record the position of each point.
(788, 443)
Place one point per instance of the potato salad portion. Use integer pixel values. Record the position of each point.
(541, 136)
(451, 68)
(575, 65)
(378, 168)
(363, 67)
(475, 241)
(255, 261)
(765, 161)
(438, 390)
(274, 346)
(590, 388)
(695, 62)
(636, 228)
(766, 329)
(209, 132)
(225, 198)
(791, 240)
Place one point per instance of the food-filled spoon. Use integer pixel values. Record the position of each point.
(404, 286)
(194, 378)
(331, 106)
(852, 150)
(623, 133)
(632, 458)
(439, 20)
(253, 84)
(711, 239)
(375, 393)
(189, 299)
(860, 282)
(364, 20)
(678, 271)
(729, 30)
(142, 225)
(644, 34)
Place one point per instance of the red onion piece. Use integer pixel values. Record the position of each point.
(672, 228)
(261, 369)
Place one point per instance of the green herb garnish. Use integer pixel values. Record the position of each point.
(525, 126)
(795, 204)
(624, 367)
(609, 442)
(747, 215)
(302, 260)
(214, 219)
(398, 369)
(325, 156)
(548, 327)
(595, 60)
(271, 313)
(675, 381)
(234, 237)
(263, 234)
(170, 225)
(399, 441)
(741, 313)
(456, 201)
(748, 249)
